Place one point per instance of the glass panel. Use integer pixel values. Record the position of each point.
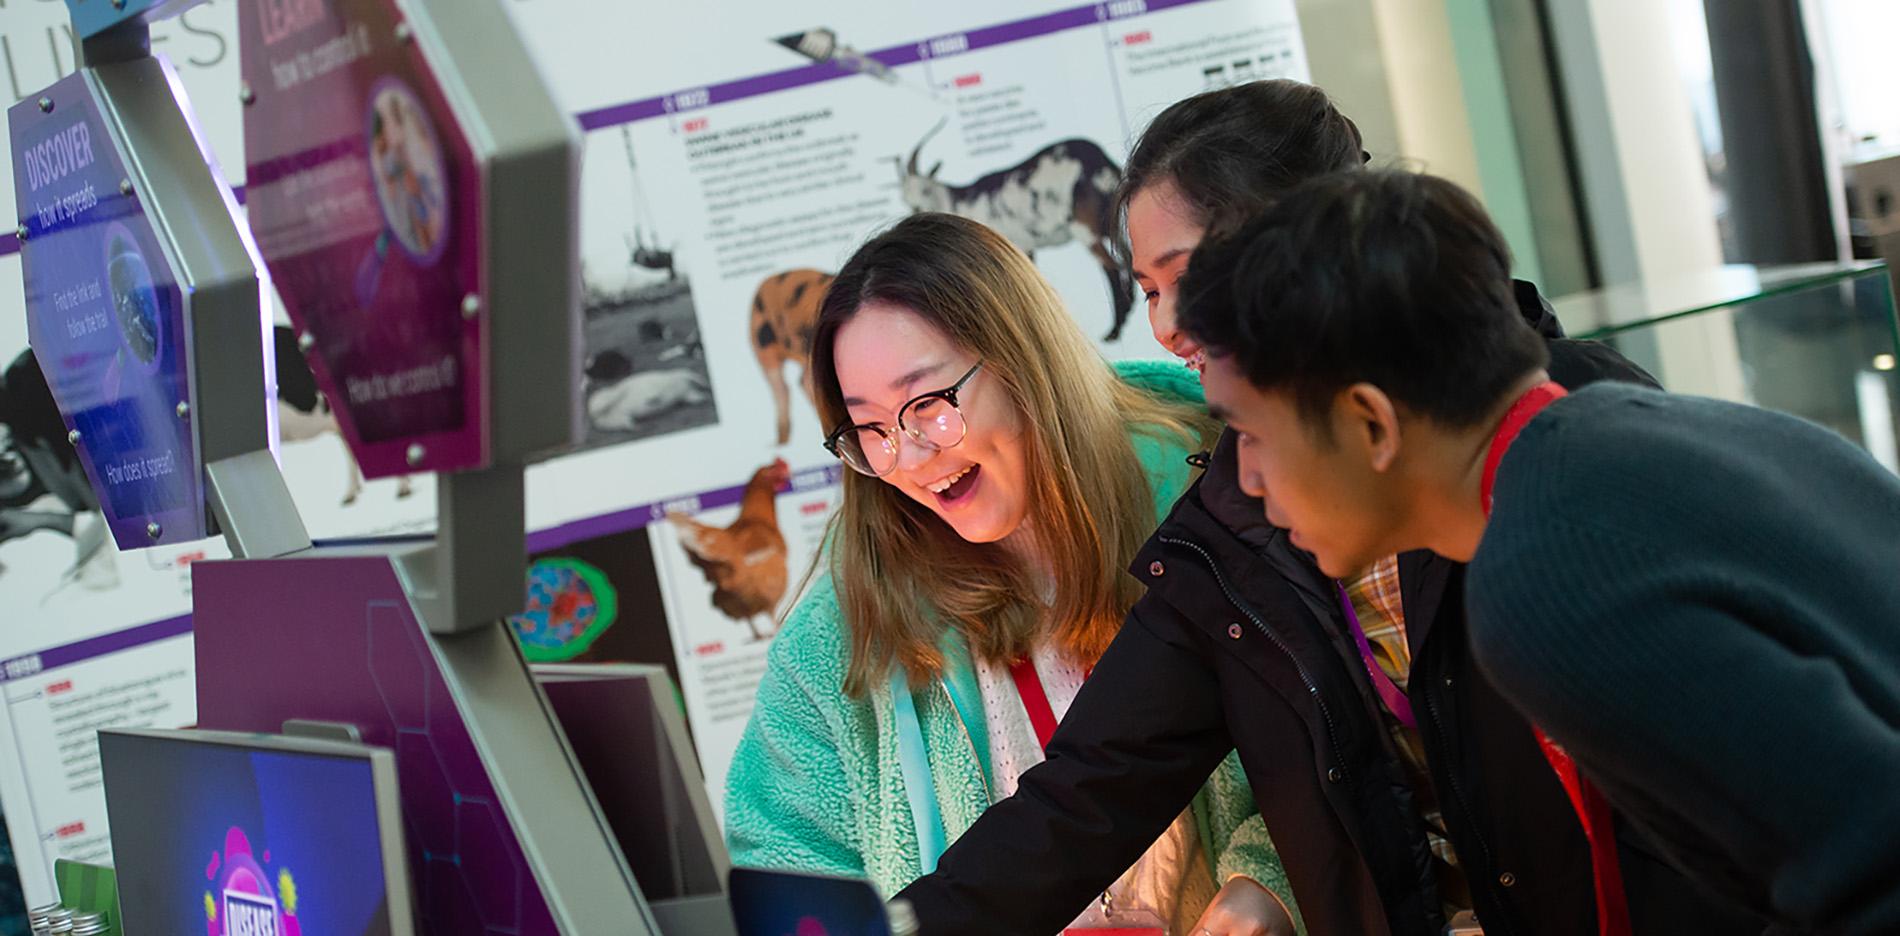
(1602, 312)
(1818, 341)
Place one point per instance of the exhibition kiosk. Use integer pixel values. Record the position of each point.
(413, 195)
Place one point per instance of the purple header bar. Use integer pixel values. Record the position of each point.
(633, 518)
(906, 54)
(1005, 33)
(99, 646)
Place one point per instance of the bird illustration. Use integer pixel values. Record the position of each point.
(745, 562)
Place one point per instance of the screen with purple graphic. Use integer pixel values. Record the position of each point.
(365, 201)
(105, 317)
(232, 841)
(371, 666)
(790, 903)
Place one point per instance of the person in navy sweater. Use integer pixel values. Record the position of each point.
(1696, 602)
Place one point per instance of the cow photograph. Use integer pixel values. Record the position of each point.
(1063, 193)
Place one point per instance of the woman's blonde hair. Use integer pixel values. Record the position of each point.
(902, 574)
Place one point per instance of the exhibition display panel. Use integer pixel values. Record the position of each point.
(385, 140)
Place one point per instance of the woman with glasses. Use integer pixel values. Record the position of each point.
(1003, 476)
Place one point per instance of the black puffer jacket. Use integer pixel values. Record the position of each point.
(1239, 644)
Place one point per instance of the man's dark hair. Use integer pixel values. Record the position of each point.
(1386, 277)
(1231, 152)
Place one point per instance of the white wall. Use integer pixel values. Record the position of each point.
(1390, 66)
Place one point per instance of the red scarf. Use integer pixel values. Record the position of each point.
(1593, 811)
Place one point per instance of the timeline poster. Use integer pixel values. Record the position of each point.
(53, 703)
(105, 318)
(365, 200)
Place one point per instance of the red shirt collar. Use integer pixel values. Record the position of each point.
(1516, 418)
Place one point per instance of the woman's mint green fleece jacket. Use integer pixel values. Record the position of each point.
(816, 784)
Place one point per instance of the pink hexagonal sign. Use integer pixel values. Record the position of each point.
(106, 317)
(364, 198)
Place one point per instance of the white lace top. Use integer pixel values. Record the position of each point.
(1172, 879)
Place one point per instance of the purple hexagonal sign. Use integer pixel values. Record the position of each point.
(364, 197)
(105, 317)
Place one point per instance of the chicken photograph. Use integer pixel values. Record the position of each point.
(745, 562)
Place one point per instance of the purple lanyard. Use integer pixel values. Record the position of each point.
(1389, 691)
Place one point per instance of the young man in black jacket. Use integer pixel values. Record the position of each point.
(1695, 600)
(1242, 642)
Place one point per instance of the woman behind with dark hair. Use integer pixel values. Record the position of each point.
(1002, 476)
(1230, 153)
(1207, 165)
(1400, 788)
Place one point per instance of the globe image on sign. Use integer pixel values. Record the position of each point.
(135, 302)
(570, 604)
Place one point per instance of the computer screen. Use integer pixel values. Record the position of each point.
(254, 835)
(625, 725)
(791, 903)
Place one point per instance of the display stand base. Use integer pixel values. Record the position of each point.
(504, 835)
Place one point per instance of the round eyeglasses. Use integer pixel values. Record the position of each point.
(931, 420)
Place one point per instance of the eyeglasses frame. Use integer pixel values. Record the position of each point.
(947, 394)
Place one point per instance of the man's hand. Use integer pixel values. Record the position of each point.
(1244, 908)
